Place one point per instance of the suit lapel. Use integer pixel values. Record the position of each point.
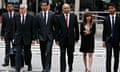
(7, 16)
(19, 19)
(48, 17)
(70, 21)
(109, 22)
(42, 17)
(26, 19)
(63, 20)
(116, 19)
(14, 16)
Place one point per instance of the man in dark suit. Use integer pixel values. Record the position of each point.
(68, 34)
(111, 37)
(7, 31)
(45, 27)
(23, 37)
(3, 10)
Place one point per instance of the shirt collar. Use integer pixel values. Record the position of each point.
(44, 11)
(113, 15)
(25, 14)
(11, 12)
(66, 14)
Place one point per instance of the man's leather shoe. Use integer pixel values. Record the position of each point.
(17, 70)
(5, 65)
(29, 68)
(70, 69)
(44, 70)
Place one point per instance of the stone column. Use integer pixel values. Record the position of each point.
(0, 4)
(24, 1)
(37, 5)
(64, 1)
(77, 7)
(50, 1)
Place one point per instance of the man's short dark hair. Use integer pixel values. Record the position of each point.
(111, 4)
(45, 1)
(9, 3)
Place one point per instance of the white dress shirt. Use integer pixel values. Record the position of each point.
(22, 17)
(46, 16)
(111, 18)
(68, 19)
(12, 14)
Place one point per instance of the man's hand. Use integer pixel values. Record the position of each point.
(57, 42)
(76, 41)
(38, 41)
(86, 32)
(33, 42)
(2, 37)
(104, 45)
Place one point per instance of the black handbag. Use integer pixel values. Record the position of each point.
(12, 55)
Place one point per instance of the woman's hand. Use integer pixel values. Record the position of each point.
(86, 32)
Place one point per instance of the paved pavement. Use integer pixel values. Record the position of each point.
(98, 60)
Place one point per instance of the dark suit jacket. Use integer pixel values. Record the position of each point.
(24, 31)
(45, 31)
(72, 32)
(93, 30)
(8, 26)
(2, 10)
(87, 41)
(107, 29)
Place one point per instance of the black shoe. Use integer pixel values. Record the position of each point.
(70, 69)
(29, 68)
(5, 65)
(43, 70)
(13, 67)
(17, 70)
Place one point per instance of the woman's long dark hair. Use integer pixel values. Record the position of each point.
(85, 20)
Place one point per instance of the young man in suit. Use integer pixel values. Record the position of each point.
(68, 34)
(23, 37)
(7, 31)
(45, 28)
(111, 38)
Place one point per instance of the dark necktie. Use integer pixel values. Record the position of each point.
(113, 27)
(23, 19)
(66, 20)
(45, 17)
(10, 16)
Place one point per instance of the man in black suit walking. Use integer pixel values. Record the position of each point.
(111, 37)
(7, 31)
(45, 27)
(68, 34)
(23, 37)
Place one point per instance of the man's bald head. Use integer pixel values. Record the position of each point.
(23, 8)
(66, 8)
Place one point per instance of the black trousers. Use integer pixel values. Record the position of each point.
(27, 54)
(66, 46)
(115, 47)
(8, 43)
(46, 54)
